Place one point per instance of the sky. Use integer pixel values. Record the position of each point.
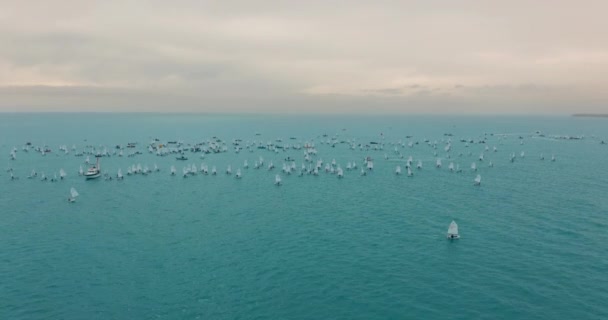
(383, 56)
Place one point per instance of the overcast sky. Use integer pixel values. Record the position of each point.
(427, 56)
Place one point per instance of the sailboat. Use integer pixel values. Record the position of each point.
(453, 231)
(340, 172)
(172, 170)
(398, 170)
(73, 195)
(473, 166)
(478, 180)
(277, 180)
(438, 163)
(238, 173)
(119, 175)
(93, 172)
(409, 172)
(62, 174)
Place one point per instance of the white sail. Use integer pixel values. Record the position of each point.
(62, 173)
(438, 163)
(398, 170)
(409, 172)
(453, 230)
(478, 180)
(277, 179)
(238, 173)
(473, 166)
(119, 174)
(73, 192)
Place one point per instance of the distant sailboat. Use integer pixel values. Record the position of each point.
(453, 231)
(398, 170)
(73, 195)
(62, 174)
(478, 180)
(172, 170)
(119, 175)
(238, 173)
(473, 166)
(277, 180)
(438, 163)
(409, 172)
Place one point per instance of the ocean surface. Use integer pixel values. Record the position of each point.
(534, 234)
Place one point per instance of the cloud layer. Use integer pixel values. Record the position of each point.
(316, 56)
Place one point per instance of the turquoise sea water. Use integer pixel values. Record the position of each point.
(534, 235)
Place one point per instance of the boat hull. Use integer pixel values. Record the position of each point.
(92, 176)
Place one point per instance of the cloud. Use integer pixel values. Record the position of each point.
(391, 56)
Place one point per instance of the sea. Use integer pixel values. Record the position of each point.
(533, 235)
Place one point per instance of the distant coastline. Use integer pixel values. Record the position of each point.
(591, 115)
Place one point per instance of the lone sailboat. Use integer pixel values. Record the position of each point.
(453, 231)
(73, 195)
(93, 172)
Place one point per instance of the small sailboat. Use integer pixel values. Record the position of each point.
(453, 231)
(473, 166)
(419, 165)
(73, 195)
(238, 173)
(119, 175)
(277, 180)
(409, 172)
(477, 180)
(398, 170)
(172, 170)
(62, 174)
(229, 169)
(438, 163)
